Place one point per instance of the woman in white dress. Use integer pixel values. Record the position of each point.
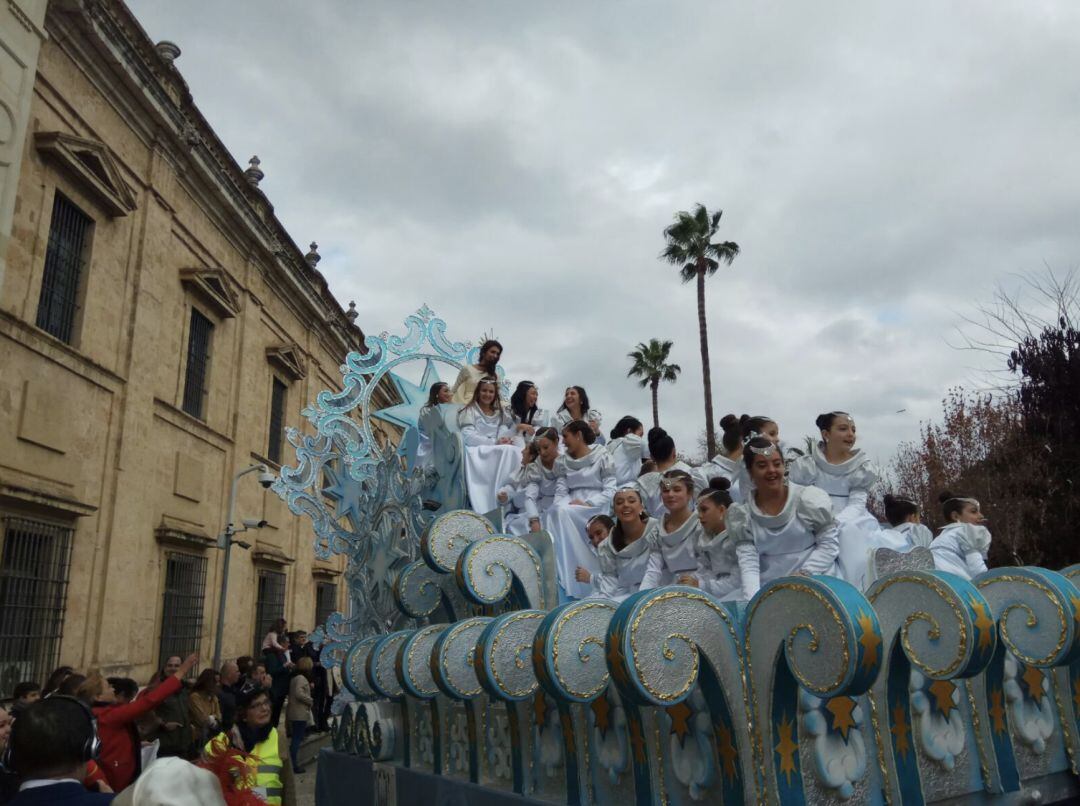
(662, 451)
(598, 529)
(585, 484)
(575, 406)
(780, 528)
(962, 546)
(541, 480)
(718, 566)
(844, 472)
(728, 463)
(511, 496)
(628, 449)
(438, 393)
(492, 448)
(525, 408)
(624, 556)
(671, 552)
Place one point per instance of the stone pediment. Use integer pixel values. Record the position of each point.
(215, 288)
(93, 165)
(289, 358)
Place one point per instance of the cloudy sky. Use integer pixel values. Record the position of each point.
(513, 165)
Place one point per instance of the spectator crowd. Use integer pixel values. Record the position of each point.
(215, 737)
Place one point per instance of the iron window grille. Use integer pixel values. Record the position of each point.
(64, 262)
(198, 362)
(34, 561)
(182, 608)
(325, 601)
(269, 605)
(278, 395)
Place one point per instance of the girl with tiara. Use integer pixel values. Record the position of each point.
(671, 551)
(492, 448)
(718, 567)
(438, 393)
(779, 528)
(624, 555)
(907, 530)
(846, 474)
(627, 448)
(584, 486)
(597, 530)
(961, 547)
(511, 496)
(662, 451)
(726, 464)
(541, 479)
(575, 406)
(524, 406)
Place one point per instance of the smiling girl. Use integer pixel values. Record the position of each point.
(492, 447)
(718, 566)
(780, 528)
(541, 479)
(624, 555)
(671, 553)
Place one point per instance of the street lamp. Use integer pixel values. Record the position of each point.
(226, 541)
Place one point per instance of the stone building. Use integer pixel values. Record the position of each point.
(158, 330)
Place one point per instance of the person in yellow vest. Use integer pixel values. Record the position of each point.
(262, 771)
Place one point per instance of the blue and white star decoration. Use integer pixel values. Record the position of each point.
(406, 414)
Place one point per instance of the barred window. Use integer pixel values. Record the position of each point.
(325, 601)
(182, 609)
(278, 395)
(198, 362)
(64, 261)
(269, 604)
(34, 562)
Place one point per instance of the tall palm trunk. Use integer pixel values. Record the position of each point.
(706, 375)
(655, 384)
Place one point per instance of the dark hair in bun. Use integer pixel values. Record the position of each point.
(718, 491)
(899, 509)
(547, 432)
(625, 426)
(762, 444)
(753, 425)
(825, 421)
(953, 503)
(732, 429)
(661, 446)
(582, 429)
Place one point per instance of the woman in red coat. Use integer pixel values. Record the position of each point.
(121, 749)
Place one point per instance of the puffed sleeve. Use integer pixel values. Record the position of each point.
(562, 491)
(974, 538)
(814, 509)
(738, 524)
(803, 470)
(607, 478)
(864, 477)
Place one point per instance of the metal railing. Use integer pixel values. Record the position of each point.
(185, 593)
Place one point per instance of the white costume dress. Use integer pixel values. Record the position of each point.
(488, 465)
(961, 549)
(515, 518)
(848, 485)
(905, 536)
(540, 484)
(563, 418)
(718, 566)
(627, 453)
(720, 467)
(590, 479)
(649, 484)
(672, 554)
(801, 537)
(621, 572)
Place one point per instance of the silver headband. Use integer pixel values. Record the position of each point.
(964, 500)
(762, 451)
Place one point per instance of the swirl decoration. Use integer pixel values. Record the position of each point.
(656, 642)
(503, 657)
(819, 634)
(413, 664)
(488, 569)
(1037, 616)
(939, 624)
(448, 536)
(342, 731)
(568, 652)
(381, 666)
(354, 669)
(418, 590)
(360, 498)
(452, 664)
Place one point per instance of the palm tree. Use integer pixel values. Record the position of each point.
(651, 366)
(690, 247)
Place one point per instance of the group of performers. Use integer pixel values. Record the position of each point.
(626, 514)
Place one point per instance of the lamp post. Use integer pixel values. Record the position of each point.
(225, 542)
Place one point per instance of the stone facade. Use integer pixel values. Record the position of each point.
(100, 432)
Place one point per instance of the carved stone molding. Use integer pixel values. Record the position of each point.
(213, 287)
(93, 165)
(289, 358)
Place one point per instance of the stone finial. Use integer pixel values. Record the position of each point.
(253, 173)
(169, 51)
(351, 314)
(313, 257)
